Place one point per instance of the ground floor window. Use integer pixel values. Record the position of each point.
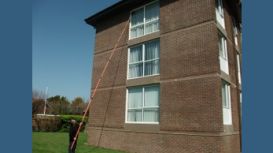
(143, 104)
(226, 102)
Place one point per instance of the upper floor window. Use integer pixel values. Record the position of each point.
(223, 54)
(239, 68)
(143, 59)
(144, 20)
(235, 33)
(220, 13)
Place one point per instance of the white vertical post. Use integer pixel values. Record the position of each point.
(45, 100)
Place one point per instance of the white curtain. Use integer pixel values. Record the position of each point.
(137, 23)
(137, 17)
(151, 99)
(152, 53)
(222, 47)
(152, 50)
(152, 18)
(135, 98)
(150, 115)
(135, 104)
(137, 31)
(135, 54)
(151, 96)
(151, 67)
(135, 70)
(134, 115)
(150, 109)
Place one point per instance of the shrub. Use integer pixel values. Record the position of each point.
(65, 121)
(46, 123)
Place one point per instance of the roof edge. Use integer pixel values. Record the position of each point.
(92, 19)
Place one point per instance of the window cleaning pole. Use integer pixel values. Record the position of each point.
(45, 100)
(97, 84)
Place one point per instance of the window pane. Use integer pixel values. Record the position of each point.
(134, 115)
(222, 47)
(152, 50)
(150, 115)
(152, 12)
(151, 96)
(137, 17)
(152, 27)
(135, 70)
(219, 7)
(225, 95)
(135, 54)
(135, 98)
(137, 31)
(152, 67)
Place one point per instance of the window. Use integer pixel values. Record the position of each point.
(222, 46)
(226, 101)
(225, 95)
(241, 104)
(143, 60)
(220, 13)
(143, 104)
(235, 32)
(239, 68)
(144, 20)
(223, 55)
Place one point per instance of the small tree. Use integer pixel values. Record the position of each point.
(38, 102)
(77, 106)
(58, 105)
(37, 106)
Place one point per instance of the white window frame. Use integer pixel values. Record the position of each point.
(143, 60)
(239, 68)
(227, 111)
(223, 59)
(143, 101)
(144, 20)
(220, 13)
(227, 95)
(235, 33)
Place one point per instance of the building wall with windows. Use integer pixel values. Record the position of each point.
(173, 83)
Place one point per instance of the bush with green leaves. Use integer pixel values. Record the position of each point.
(65, 119)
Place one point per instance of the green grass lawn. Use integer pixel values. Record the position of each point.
(57, 142)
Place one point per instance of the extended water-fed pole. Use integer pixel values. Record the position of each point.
(97, 84)
(45, 100)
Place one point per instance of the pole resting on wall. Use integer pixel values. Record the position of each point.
(97, 84)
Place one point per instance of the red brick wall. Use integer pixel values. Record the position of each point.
(188, 52)
(163, 142)
(191, 118)
(176, 14)
(191, 105)
(108, 108)
(116, 73)
(109, 31)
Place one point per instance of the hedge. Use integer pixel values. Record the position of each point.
(65, 121)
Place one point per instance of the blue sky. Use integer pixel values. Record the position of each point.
(62, 46)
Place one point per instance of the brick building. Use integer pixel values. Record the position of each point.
(174, 83)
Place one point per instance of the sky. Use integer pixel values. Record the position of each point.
(62, 46)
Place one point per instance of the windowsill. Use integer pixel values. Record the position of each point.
(220, 28)
(143, 123)
(144, 38)
(228, 128)
(143, 80)
(143, 76)
(225, 76)
(142, 127)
